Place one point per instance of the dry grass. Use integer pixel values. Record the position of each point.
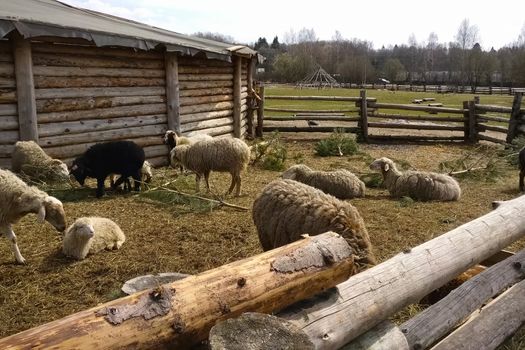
(163, 238)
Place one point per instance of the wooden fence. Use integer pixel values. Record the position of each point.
(480, 90)
(374, 121)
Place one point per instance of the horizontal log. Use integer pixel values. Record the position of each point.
(7, 82)
(384, 336)
(102, 113)
(106, 135)
(306, 129)
(76, 150)
(52, 71)
(204, 116)
(486, 118)
(6, 150)
(186, 85)
(8, 109)
(205, 77)
(206, 92)
(491, 139)
(195, 100)
(73, 104)
(7, 69)
(292, 110)
(205, 70)
(431, 324)
(51, 59)
(206, 124)
(413, 138)
(415, 126)
(369, 297)
(67, 82)
(8, 122)
(7, 95)
(5, 163)
(318, 98)
(320, 118)
(156, 151)
(417, 108)
(158, 161)
(95, 51)
(99, 92)
(485, 127)
(9, 137)
(6, 56)
(206, 107)
(202, 62)
(76, 127)
(417, 117)
(221, 130)
(489, 108)
(501, 318)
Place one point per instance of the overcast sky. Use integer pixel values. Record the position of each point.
(383, 22)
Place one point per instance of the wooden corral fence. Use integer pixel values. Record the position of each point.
(481, 90)
(180, 314)
(375, 121)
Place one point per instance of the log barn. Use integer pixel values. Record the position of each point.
(72, 77)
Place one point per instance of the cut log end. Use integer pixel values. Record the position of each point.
(255, 331)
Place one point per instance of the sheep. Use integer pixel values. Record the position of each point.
(125, 158)
(172, 139)
(28, 158)
(286, 209)
(225, 155)
(146, 175)
(91, 235)
(418, 185)
(18, 199)
(522, 168)
(339, 183)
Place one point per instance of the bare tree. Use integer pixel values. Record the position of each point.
(466, 37)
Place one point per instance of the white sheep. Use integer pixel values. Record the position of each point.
(91, 235)
(287, 209)
(339, 183)
(18, 199)
(28, 158)
(418, 185)
(172, 139)
(225, 155)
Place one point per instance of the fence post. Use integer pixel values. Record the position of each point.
(251, 100)
(237, 64)
(364, 116)
(172, 91)
(470, 121)
(514, 117)
(260, 113)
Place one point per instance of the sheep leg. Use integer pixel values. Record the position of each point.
(238, 191)
(522, 175)
(100, 185)
(207, 179)
(197, 183)
(136, 177)
(9, 233)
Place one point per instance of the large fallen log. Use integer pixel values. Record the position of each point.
(180, 314)
(371, 296)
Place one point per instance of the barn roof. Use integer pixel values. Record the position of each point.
(33, 18)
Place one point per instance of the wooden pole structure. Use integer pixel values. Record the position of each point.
(260, 113)
(433, 323)
(371, 296)
(180, 314)
(497, 321)
(25, 88)
(251, 100)
(473, 130)
(172, 91)
(364, 116)
(237, 61)
(514, 117)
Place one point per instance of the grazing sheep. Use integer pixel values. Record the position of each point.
(418, 185)
(116, 157)
(172, 139)
(146, 175)
(91, 235)
(18, 199)
(28, 158)
(339, 183)
(226, 155)
(522, 167)
(286, 209)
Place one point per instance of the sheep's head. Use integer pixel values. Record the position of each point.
(59, 168)
(170, 138)
(83, 230)
(146, 172)
(294, 170)
(382, 164)
(79, 170)
(178, 154)
(52, 211)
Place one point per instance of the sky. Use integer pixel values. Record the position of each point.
(383, 22)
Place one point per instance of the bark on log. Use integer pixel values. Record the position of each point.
(497, 321)
(188, 101)
(205, 70)
(206, 107)
(52, 71)
(433, 323)
(7, 70)
(201, 62)
(205, 116)
(384, 336)
(156, 151)
(375, 294)
(9, 83)
(221, 130)
(206, 92)
(206, 124)
(9, 122)
(68, 82)
(9, 137)
(7, 96)
(114, 112)
(65, 128)
(8, 109)
(180, 314)
(75, 104)
(186, 85)
(205, 77)
(100, 92)
(53, 59)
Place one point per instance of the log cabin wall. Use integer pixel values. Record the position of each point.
(9, 133)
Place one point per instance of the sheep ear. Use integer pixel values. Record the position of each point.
(41, 216)
(386, 167)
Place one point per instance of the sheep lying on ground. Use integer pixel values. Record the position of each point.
(423, 186)
(226, 155)
(339, 183)
(18, 199)
(91, 235)
(172, 139)
(28, 158)
(286, 209)
(522, 167)
(116, 157)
